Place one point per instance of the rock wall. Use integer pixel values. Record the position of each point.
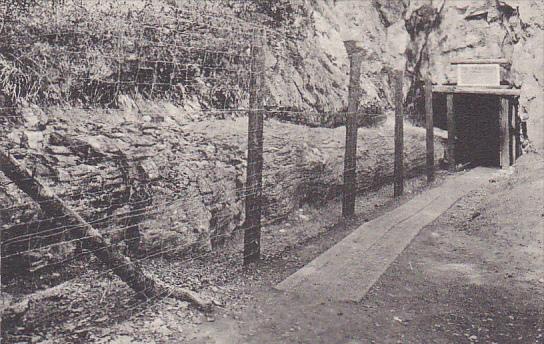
(313, 72)
(512, 29)
(183, 185)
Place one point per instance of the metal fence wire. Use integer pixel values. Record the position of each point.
(93, 108)
(143, 130)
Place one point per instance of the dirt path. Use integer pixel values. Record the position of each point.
(350, 268)
(473, 275)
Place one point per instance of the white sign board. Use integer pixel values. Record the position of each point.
(478, 75)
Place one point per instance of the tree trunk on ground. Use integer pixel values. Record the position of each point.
(121, 265)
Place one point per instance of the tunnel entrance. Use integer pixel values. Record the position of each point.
(480, 114)
(477, 130)
(477, 126)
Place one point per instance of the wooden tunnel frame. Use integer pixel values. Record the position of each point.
(510, 145)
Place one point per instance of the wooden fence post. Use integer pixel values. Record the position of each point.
(517, 129)
(429, 124)
(451, 132)
(511, 131)
(398, 80)
(355, 54)
(253, 204)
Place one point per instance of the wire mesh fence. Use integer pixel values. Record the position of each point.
(94, 97)
(143, 137)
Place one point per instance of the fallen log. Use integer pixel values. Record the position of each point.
(121, 265)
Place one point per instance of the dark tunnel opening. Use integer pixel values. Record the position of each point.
(477, 124)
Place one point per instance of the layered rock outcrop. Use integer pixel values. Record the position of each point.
(181, 185)
(311, 73)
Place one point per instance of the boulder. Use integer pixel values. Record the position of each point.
(32, 139)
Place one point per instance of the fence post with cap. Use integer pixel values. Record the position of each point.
(355, 54)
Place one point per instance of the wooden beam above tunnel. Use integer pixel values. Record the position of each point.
(477, 90)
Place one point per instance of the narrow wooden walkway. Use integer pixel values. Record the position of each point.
(349, 269)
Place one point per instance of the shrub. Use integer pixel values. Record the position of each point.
(90, 55)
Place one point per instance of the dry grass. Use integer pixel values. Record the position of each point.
(91, 54)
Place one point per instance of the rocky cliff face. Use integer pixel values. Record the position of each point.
(313, 73)
(396, 34)
(477, 29)
(180, 184)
